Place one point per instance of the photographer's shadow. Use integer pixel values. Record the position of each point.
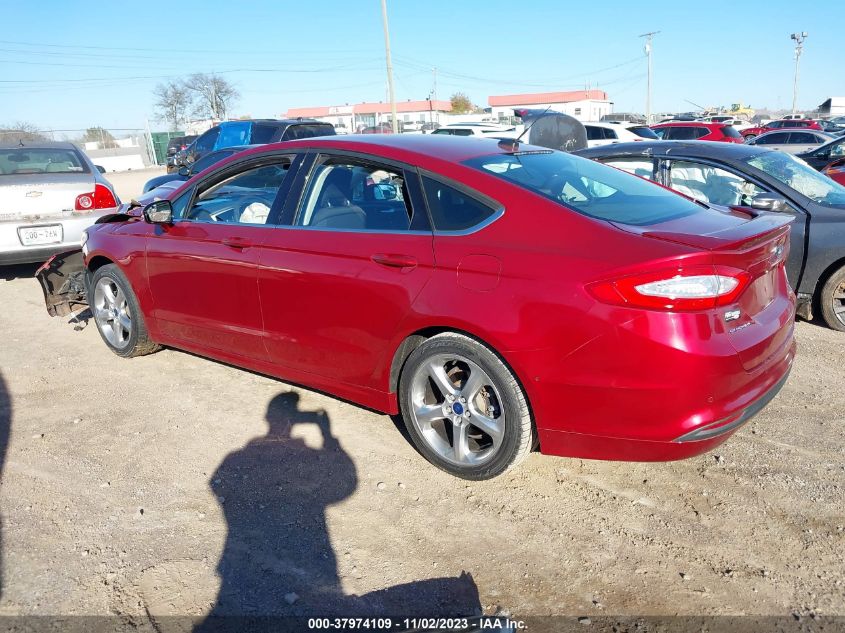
(278, 558)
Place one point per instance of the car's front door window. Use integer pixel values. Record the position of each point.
(244, 198)
(711, 184)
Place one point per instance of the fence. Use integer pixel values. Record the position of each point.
(115, 149)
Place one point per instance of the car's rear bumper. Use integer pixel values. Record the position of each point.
(631, 395)
(12, 251)
(701, 440)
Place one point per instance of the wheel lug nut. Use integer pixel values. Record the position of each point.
(466, 414)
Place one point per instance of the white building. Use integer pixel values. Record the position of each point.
(353, 117)
(585, 105)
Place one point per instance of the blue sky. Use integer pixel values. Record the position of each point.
(68, 65)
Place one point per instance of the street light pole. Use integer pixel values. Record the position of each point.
(648, 37)
(394, 122)
(799, 47)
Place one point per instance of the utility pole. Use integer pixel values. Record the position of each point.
(799, 47)
(434, 70)
(648, 37)
(394, 122)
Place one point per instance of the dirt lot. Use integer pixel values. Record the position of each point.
(171, 484)
(129, 184)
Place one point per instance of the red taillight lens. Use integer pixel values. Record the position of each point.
(675, 290)
(101, 198)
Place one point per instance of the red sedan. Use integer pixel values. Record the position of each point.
(500, 296)
(697, 131)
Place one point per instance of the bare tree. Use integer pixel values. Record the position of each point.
(21, 131)
(172, 102)
(214, 95)
(99, 135)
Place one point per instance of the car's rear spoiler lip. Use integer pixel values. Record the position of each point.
(762, 228)
(63, 282)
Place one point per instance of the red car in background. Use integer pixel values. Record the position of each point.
(784, 124)
(836, 171)
(697, 131)
(501, 296)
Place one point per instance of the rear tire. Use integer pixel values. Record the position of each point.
(117, 314)
(832, 300)
(464, 409)
(749, 137)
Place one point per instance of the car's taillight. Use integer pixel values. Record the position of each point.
(675, 290)
(101, 198)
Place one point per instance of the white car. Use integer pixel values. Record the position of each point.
(792, 141)
(609, 132)
(477, 129)
(49, 194)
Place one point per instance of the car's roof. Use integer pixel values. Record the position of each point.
(700, 149)
(276, 121)
(689, 124)
(788, 130)
(38, 145)
(404, 147)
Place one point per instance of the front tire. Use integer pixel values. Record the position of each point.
(117, 314)
(463, 408)
(832, 301)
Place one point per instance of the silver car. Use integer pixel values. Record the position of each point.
(49, 194)
(792, 141)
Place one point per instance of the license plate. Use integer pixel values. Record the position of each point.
(36, 235)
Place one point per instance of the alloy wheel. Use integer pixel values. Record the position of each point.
(838, 300)
(111, 312)
(457, 409)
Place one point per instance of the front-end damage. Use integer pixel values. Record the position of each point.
(63, 280)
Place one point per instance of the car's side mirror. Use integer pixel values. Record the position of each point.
(183, 171)
(770, 202)
(159, 212)
(100, 169)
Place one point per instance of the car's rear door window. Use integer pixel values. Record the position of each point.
(802, 138)
(587, 187)
(711, 184)
(348, 194)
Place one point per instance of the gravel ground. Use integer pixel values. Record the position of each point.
(171, 484)
(129, 184)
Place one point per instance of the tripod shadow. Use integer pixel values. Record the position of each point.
(278, 558)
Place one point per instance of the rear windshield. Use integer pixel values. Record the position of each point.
(730, 132)
(588, 187)
(308, 131)
(643, 132)
(40, 161)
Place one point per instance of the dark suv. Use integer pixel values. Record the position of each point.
(255, 132)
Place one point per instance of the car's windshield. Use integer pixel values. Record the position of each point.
(587, 187)
(795, 173)
(23, 160)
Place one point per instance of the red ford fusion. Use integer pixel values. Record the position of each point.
(502, 297)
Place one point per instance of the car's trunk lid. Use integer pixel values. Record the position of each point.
(35, 197)
(754, 242)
